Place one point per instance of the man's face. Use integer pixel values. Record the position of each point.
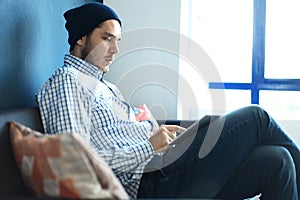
(101, 45)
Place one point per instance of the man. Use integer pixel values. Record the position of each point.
(252, 155)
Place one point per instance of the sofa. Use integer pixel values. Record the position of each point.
(11, 181)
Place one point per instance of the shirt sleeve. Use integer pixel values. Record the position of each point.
(129, 151)
(123, 144)
(65, 107)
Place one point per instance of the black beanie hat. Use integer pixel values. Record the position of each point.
(82, 20)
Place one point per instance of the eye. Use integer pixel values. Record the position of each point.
(109, 38)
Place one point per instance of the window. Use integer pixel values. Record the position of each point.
(254, 47)
(282, 39)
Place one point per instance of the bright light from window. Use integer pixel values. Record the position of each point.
(282, 58)
(224, 30)
(283, 105)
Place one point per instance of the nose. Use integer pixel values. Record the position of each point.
(114, 48)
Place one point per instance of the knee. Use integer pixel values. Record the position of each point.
(276, 171)
(256, 112)
(255, 109)
(283, 162)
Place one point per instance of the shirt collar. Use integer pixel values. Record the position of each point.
(83, 66)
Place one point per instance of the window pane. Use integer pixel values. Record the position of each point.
(236, 99)
(282, 58)
(224, 30)
(196, 100)
(282, 105)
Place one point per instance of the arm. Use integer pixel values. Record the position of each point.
(123, 144)
(66, 106)
(127, 152)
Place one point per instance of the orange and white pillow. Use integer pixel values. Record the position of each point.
(62, 165)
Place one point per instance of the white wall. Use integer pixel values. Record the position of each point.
(292, 128)
(147, 65)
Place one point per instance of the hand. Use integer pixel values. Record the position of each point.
(164, 135)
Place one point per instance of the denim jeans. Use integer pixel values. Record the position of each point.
(251, 156)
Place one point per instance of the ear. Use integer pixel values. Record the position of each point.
(81, 41)
(79, 45)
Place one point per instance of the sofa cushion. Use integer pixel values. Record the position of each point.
(62, 165)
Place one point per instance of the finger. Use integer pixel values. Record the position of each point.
(169, 133)
(181, 129)
(163, 149)
(172, 130)
(175, 128)
(172, 135)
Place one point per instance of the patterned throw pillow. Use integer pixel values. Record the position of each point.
(142, 113)
(62, 165)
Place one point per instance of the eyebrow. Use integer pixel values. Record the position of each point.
(111, 35)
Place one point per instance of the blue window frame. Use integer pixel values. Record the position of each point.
(259, 82)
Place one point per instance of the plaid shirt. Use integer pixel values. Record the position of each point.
(76, 99)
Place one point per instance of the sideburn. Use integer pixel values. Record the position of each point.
(86, 48)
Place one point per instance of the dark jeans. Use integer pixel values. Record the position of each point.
(252, 156)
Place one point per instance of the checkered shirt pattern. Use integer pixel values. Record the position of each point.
(76, 99)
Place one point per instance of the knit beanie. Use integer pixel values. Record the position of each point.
(83, 19)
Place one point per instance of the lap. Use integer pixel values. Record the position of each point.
(181, 166)
(183, 171)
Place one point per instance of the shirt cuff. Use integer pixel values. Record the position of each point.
(143, 151)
